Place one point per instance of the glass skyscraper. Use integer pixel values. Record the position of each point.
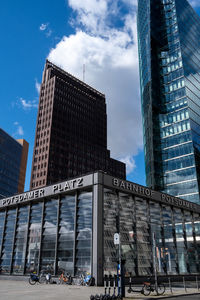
(13, 160)
(169, 56)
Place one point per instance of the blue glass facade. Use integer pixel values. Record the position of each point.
(169, 56)
(10, 160)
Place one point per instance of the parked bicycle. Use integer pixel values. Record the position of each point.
(86, 280)
(65, 279)
(48, 278)
(148, 287)
(35, 278)
(131, 289)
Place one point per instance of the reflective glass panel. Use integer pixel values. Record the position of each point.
(34, 237)
(169, 241)
(110, 213)
(49, 235)
(144, 248)
(128, 232)
(180, 241)
(83, 233)
(66, 234)
(7, 247)
(20, 240)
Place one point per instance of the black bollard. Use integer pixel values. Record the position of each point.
(123, 278)
(130, 283)
(109, 284)
(114, 288)
(105, 284)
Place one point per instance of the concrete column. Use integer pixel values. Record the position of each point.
(97, 261)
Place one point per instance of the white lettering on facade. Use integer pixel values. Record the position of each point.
(23, 197)
(132, 187)
(140, 190)
(57, 188)
(178, 202)
(68, 185)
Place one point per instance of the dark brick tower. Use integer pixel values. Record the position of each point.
(71, 130)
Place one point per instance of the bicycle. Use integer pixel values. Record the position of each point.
(65, 279)
(48, 278)
(35, 278)
(148, 287)
(86, 280)
(132, 290)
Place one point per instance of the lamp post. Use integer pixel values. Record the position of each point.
(155, 264)
(121, 262)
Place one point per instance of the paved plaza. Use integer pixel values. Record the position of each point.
(19, 290)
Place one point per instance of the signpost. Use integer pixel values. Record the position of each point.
(116, 238)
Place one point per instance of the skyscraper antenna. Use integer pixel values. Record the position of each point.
(83, 72)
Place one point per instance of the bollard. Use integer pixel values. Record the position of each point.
(197, 282)
(170, 286)
(105, 284)
(114, 285)
(113, 297)
(184, 285)
(123, 278)
(130, 281)
(109, 284)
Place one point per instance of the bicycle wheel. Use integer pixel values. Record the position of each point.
(42, 279)
(146, 290)
(31, 281)
(161, 289)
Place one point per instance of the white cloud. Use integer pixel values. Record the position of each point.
(43, 26)
(109, 53)
(28, 104)
(97, 7)
(37, 86)
(195, 3)
(130, 164)
(19, 130)
(49, 32)
(90, 13)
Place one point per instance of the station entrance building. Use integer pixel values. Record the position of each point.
(71, 225)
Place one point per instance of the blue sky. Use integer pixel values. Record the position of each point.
(98, 33)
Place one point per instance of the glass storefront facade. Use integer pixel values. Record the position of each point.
(168, 35)
(74, 230)
(176, 234)
(54, 235)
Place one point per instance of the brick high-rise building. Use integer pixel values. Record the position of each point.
(71, 130)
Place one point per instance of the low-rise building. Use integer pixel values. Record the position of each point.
(71, 225)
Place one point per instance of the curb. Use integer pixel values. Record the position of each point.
(164, 297)
(174, 296)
